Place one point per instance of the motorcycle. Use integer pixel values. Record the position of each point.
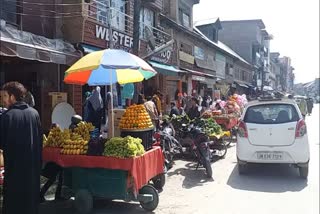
(198, 143)
(169, 145)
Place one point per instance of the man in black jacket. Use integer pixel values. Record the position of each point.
(21, 142)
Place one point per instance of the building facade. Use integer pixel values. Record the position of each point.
(251, 41)
(33, 53)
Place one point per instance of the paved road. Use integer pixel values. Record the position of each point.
(265, 190)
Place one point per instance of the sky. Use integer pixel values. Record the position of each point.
(293, 23)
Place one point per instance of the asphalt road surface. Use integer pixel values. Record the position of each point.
(265, 189)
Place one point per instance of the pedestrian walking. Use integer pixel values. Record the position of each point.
(309, 105)
(157, 99)
(153, 112)
(21, 141)
(302, 106)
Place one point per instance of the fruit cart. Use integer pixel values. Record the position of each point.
(92, 177)
(228, 122)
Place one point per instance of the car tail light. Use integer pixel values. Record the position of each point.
(242, 130)
(301, 128)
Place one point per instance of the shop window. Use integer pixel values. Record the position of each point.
(118, 13)
(237, 73)
(9, 10)
(147, 19)
(243, 75)
(229, 69)
(184, 14)
(186, 48)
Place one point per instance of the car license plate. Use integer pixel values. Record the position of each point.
(270, 155)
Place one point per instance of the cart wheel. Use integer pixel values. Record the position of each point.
(151, 205)
(159, 181)
(83, 201)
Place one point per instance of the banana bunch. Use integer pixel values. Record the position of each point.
(56, 137)
(124, 147)
(84, 129)
(76, 145)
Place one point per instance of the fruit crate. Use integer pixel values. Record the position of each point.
(145, 135)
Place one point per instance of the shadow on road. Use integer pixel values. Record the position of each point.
(192, 177)
(100, 207)
(268, 178)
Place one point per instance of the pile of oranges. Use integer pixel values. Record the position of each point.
(136, 117)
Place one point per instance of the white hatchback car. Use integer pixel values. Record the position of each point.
(273, 131)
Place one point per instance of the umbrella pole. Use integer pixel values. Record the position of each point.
(111, 102)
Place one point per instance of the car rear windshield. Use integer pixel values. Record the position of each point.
(271, 114)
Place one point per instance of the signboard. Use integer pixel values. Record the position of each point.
(164, 56)
(198, 78)
(98, 35)
(220, 65)
(199, 53)
(186, 57)
(217, 94)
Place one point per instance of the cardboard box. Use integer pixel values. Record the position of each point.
(1, 158)
(1, 99)
(117, 114)
(58, 97)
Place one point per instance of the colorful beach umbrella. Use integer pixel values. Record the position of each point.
(107, 67)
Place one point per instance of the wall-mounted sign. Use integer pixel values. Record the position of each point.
(199, 53)
(220, 65)
(198, 78)
(164, 56)
(186, 57)
(98, 35)
(118, 37)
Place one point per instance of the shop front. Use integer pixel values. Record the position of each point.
(38, 63)
(242, 88)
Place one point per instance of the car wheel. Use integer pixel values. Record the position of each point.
(242, 169)
(304, 171)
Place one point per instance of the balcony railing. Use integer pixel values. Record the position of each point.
(120, 21)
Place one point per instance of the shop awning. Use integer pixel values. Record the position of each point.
(198, 73)
(164, 69)
(22, 44)
(250, 86)
(89, 48)
(242, 84)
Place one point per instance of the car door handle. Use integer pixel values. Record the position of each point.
(291, 128)
(252, 129)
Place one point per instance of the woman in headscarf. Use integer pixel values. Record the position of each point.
(95, 108)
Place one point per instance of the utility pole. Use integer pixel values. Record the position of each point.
(110, 116)
(136, 39)
(136, 26)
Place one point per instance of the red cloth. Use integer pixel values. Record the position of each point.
(141, 168)
(227, 122)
